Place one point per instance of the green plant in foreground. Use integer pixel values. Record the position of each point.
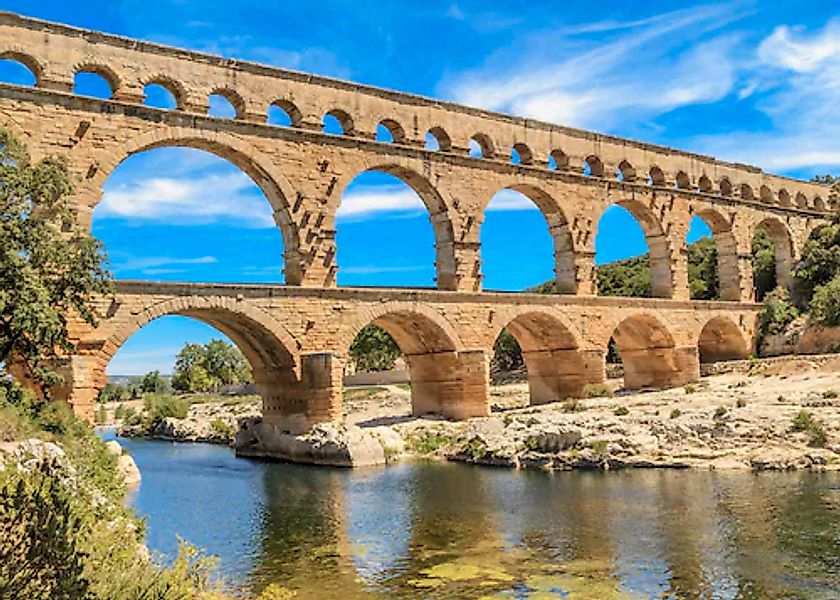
(598, 390)
(804, 422)
(621, 411)
(428, 443)
(676, 413)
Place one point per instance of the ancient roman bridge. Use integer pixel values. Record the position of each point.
(297, 335)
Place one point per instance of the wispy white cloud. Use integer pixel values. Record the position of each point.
(187, 200)
(367, 200)
(509, 200)
(644, 68)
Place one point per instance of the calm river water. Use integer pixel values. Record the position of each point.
(453, 531)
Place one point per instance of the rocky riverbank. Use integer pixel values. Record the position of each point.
(779, 415)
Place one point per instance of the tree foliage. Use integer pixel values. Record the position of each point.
(154, 383)
(629, 277)
(703, 279)
(205, 368)
(825, 303)
(49, 267)
(374, 349)
(507, 355)
(777, 312)
(763, 263)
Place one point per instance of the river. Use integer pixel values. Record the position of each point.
(429, 530)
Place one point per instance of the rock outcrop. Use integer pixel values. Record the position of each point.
(325, 444)
(125, 464)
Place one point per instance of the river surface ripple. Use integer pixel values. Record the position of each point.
(428, 530)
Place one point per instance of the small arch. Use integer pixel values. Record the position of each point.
(766, 195)
(704, 184)
(438, 139)
(521, 154)
(481, 146)
(819, 204)
(558, 160)
(682, 180)
(593, 167)
(746, 191)
(721, 339)
(19, 69)
(725, 186)
(284, 113)
(97, 81)
(390, 131)
(625, 171)
(801, 200)
(784, 198)
(556, 369)
(656, 176)
(225, 103)
(647, 352)
(338, 122)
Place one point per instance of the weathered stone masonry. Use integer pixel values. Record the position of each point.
(297, 337)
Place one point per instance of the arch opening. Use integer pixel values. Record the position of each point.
(403, 212)
(712, 258)
(507, 263)
(18, 69)
(338, 122)
(548, 351)
(648, 353)
(481, 146)
(438, 140)
(656, 176)
(721, 340)
(521, 154)
(632, 253)
(225, 104)
(725, 187)
(389, 131)
(284, 113)
(94, 82)
(682, 180)
(625, 171)
(184, 214)
(557, 160)
(772, 257)
(222, 348)
(593, 167)
(430, 351)
(160, 95)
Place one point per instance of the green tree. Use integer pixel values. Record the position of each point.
(374, 349)
(777, 312)
(507, 355)
(763, 263)
(154, 383)
(49, 267)
(630, 277)
(825, 303)
(189, 369)
(702, 270)
(225, 363)
(819, 262)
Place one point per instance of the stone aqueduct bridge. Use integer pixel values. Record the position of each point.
(297, 335)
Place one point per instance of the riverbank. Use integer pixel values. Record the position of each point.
(778, 415)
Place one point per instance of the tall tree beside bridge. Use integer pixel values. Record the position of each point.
(49, 267)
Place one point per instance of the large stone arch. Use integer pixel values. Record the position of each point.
(557, 367)
(20, 55)
(445, 379)
(439, 215)
(726, 246)
(565, 272)
(659, 246)
(720, 339)
(648, 352)
(784, 249)
(273, 353)
(277, 189)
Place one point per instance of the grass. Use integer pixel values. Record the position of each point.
(598, 390)
(621, 411)
(571, 406)
(428, 442)
(804, 422)
(676, 413)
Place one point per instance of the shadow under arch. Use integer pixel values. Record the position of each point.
(561, 235)
(439, 370)
(726, 246)
(721, 339)
(445, 263)
(557, 369)
(659, 248)
(783, 248)
(648, 353)
(270, 349)
(274, 185)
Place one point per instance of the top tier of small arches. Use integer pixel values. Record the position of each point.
(388, 120)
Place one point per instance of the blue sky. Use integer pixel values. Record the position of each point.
(756, 82)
